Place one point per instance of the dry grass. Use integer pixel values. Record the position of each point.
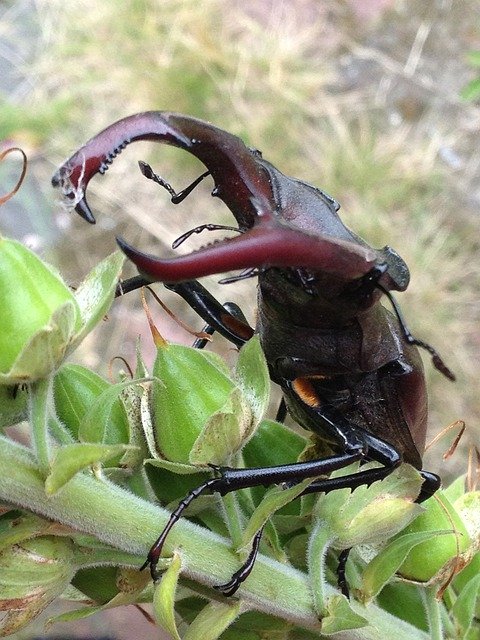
(327, 98)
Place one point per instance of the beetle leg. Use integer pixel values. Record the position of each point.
(176, 198)
(230, 587)
(230, 479)
(341, 577)
(203, 227)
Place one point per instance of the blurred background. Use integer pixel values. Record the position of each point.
(377, 102)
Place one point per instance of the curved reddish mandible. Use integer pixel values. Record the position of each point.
(241, 181)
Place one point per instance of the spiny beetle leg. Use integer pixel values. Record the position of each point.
(230, 587)
(203, 227)
(233, 479)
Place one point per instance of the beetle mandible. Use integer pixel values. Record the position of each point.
(349, 369)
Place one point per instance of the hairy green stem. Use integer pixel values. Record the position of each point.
(433, 611)
(130, 524)
(39, 394)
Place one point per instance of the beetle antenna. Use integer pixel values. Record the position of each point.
(437, 360)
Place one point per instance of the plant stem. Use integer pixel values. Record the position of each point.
(39, 394)
(432, 608)
(128, 523)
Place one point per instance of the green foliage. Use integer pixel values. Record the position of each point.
(472, 90)
(95, 428)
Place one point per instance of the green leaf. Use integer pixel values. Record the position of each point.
(341, 617)
(465, 606)
(252, 375)
(472, 90)
(272, 444)
(72, 458)
(274, 499)
(76, 389)
(212, 621)
(224, 432)
(164, 597)
(95, 295)
(381, 569)
(98, 425)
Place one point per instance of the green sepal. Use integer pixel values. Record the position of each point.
(76, 389)
(388, 503)
(16, 527)
(224, 432)
(45, 349)
(433, 560)
(384, 565)
(274, 499)
(164, 597)
(188, 388)
(251, 373)
(97, 425)
(174, 467)
(340, 616)
(212, 621)
(72, 458)
(466, 605)
(38, 311)
(95, 295)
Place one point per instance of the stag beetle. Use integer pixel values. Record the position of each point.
(349, 369)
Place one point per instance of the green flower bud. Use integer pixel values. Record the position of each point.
(42, 320)
(437, 555)
(189, 387)
(203, 414)
(387, 503)
(34, 300)
(33, 573)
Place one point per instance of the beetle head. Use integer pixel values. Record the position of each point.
(281, 219)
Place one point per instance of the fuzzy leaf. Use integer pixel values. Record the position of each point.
(224, 432)
(464, 607)
(72, 458)
(341, 617)
(212, 621)
(97, 421)
(252, 375)
(274, 499)
(381, 569)
(95, 295)
(164, 597)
